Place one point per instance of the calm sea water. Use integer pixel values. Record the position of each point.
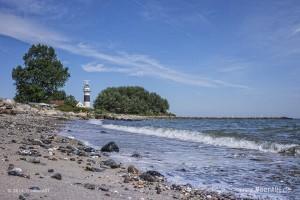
(229, 155)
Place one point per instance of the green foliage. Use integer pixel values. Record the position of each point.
(58, 95)
(70, 108)
(41, 77)
(130, 100)
(70, 100)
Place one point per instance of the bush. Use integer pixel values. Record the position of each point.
(131, 100)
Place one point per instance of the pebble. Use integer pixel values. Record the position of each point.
(89, 186)
(50, 170)
(102, 188)
(57, 176)
(131, 169)
(34, 188)
(111, 163)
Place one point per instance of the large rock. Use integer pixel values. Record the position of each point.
(110, 147)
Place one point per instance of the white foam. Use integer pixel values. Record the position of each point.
(195, 136)
(95, 121)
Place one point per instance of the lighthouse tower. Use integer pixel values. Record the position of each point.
(87, 94)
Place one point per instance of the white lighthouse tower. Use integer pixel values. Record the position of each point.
(87, 94)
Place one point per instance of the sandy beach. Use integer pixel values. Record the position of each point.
(37, 163)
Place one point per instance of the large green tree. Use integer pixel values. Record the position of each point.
(131, 100)
(41, 77)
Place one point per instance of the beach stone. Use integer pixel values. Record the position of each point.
(34, 160)
(292, 151)
(127, 179)
(57, 176)
(34, 188)
(15, 171)
(152, 176)
(158, 189)
(133, 170)
(91, 161)
(111, 163)
(103, 188)
(88, 149)
(93, 169)
(110, 147)
(89, 186)
(22, 197)
(10, 167)
(136, 155)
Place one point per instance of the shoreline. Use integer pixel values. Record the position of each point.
(37, 162)
(127, 117)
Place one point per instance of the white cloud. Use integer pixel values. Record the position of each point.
(131, 64)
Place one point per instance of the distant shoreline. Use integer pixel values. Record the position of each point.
(113, 116)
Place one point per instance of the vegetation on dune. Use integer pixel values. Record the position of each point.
(130, 100)
(41, 77)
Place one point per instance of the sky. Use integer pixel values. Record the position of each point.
(208, 58)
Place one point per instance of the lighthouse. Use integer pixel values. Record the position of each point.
(86, 94)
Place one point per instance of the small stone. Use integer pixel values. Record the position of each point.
(89, 186)
(111, 163)
(93, 169)
(131, 169)
(34, 188)
(11, 166)
(158, 190)
(152, 176)
(22, 197)
(88, 149)
(136, 155)
(34, 160)
(72, 159)
(50, 170)
(57, 176)
(102, 188)
(15, 172)
(127, 179)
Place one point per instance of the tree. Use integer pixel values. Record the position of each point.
(41, 77)
(131, 100)
(70, 100)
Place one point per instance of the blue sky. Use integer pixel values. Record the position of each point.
(208, 58)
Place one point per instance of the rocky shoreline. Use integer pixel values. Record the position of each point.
(37, 163)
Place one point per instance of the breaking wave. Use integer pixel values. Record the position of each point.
(195, 136)
(95, 121)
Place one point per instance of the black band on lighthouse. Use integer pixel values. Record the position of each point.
(86, 98)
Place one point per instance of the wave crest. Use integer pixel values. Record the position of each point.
(195, 136)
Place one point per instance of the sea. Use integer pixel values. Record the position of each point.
(255, 158)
